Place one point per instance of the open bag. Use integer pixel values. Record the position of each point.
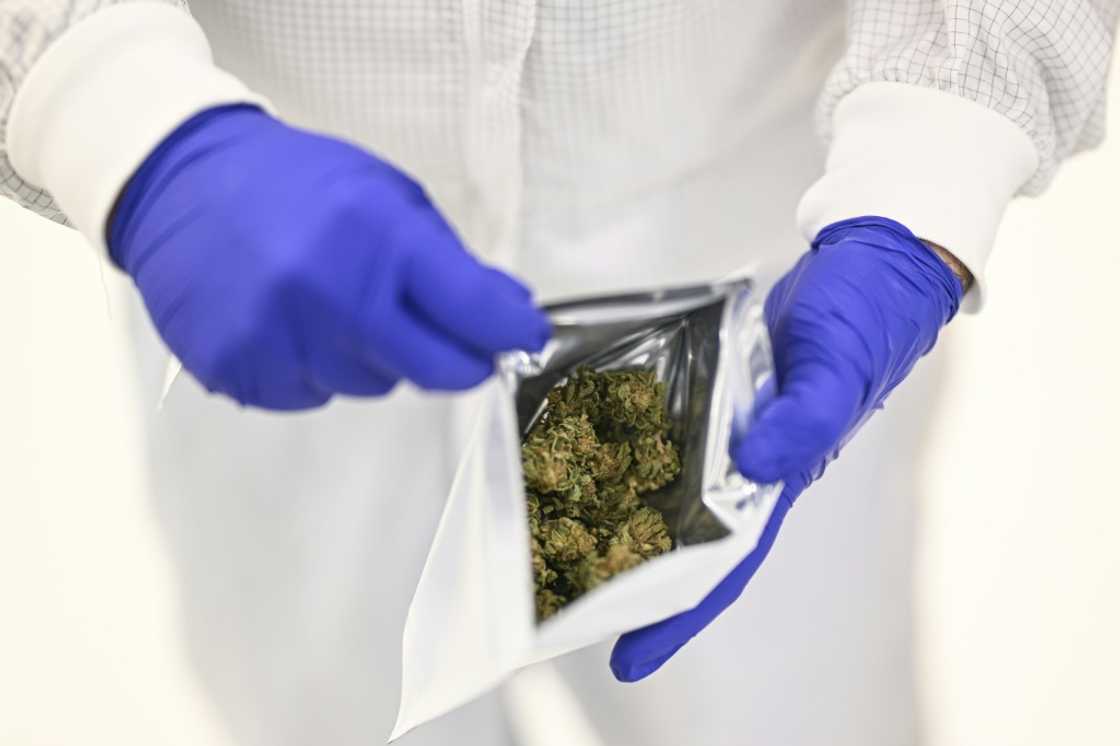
(472, 621)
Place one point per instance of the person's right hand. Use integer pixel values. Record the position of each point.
(283, 267)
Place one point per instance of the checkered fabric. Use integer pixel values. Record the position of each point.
(27, 28)
(582, 65)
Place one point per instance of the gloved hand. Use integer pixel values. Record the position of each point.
(283, 267)
(847, 324)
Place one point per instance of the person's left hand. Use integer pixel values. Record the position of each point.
(847, 324)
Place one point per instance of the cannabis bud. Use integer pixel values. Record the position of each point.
(601, 442)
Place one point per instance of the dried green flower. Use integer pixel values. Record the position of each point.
(645, 533)
(548, 603)
(566, 540)
(556, 458)
(542, 573)
(595, 569)
(602, 442)
(612, 461)
(579, 395)
(656, 463)
(636, 399)
(533, 506)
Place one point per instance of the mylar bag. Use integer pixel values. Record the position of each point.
(472, 621)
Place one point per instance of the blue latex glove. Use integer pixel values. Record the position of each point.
(283, 267)
(847, 324)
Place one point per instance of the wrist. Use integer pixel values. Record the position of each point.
(179, 148)
(955, 265)
(103, 96)
(944, 166)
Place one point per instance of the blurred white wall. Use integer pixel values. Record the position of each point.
(1019, 560)
(1019, 579)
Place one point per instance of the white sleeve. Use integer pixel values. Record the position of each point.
(941, 111)
(87, 89)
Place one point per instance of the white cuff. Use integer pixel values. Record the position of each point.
(942, 165)
(103, 96)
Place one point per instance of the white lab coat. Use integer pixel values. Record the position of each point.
(588, 145)
(299, 538)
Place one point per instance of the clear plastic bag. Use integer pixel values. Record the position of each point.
(472, 620)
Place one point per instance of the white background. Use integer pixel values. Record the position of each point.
(1019, 555)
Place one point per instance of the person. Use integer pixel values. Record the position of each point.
(255, 167)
